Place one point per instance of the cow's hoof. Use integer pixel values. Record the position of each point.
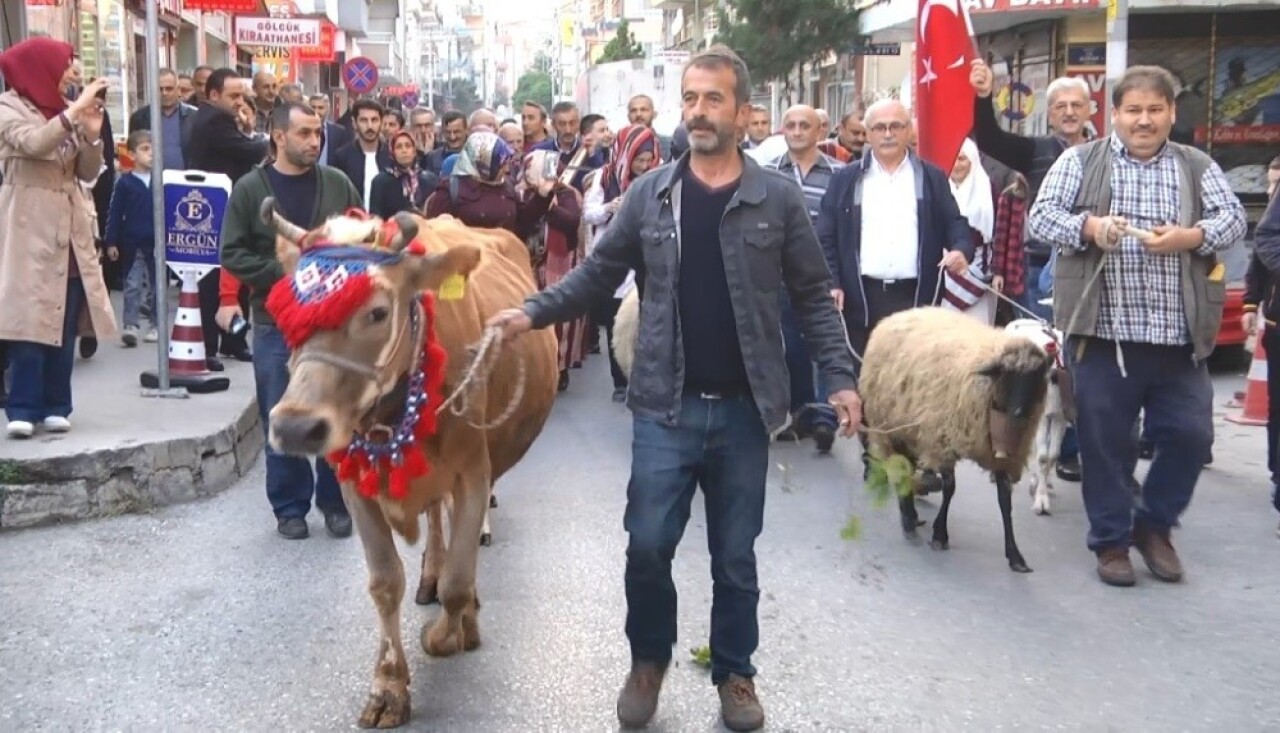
(1019, 566)
(388, 708)
(441, 639)
(486, 539)
(427, 592)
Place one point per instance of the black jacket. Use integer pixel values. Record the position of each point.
(216, 144)
(336, 137)
(350, 160)
(386, 195)
(1264, 269)
(141, 119)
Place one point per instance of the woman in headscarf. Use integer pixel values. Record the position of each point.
(972, 190)
(50, 150)
(635, 152)
(479, 193)
(563, 245)
(404, 186)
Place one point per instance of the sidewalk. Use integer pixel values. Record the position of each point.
(129, 453)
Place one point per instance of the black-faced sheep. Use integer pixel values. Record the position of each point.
(1046, 449)
(938, 387)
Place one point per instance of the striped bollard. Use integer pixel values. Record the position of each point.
(186, 342)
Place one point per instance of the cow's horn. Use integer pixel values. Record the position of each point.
(285, 228)
(407, 231)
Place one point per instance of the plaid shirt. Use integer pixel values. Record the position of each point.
(1141, 298)
(1007, 244)
(815, 184)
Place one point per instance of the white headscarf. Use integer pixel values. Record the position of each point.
(973, 194)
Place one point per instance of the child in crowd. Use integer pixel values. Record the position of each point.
(130, 235)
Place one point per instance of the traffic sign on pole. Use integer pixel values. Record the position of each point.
(410, 99)
(360, 75)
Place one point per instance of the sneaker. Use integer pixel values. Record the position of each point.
(338, 524)
(740, 709)
(293, 528)
(1115, 568)
(638, 700)
(57, 424)
(151, 337)
(129, 336)
(1158, 553)
(21, 429)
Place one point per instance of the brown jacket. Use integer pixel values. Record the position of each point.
(46, 217)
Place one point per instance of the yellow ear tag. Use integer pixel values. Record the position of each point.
(1218, 272)
(453, 287)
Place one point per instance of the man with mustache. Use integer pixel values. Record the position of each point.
(1069, 109)
(1137, 222)
(718, 239)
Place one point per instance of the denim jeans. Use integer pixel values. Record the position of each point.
(290, 481)
(1177, 398)
(809, 406)
(139, 266)
(720, 445)
(40, 375)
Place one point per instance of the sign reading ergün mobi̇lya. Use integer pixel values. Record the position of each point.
(194, 203)
(258, 31)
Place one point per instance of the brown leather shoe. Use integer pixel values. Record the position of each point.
(739, 707)
(1158, 553)
(638, 700)
(1114, 567)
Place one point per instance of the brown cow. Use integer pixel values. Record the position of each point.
(336, 390)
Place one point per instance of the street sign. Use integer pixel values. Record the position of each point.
(360, 75)
(194, 203)
(875, 49)
(410, 99)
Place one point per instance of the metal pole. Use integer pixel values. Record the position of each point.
(157, 194)
(1117, 51)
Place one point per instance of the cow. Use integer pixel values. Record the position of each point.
(354, 377)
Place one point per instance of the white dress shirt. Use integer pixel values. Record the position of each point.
(370, 172)
(890, 229)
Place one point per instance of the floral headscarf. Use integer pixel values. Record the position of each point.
(630, 142)
(34, 68)
(482, 158)
(406, 175)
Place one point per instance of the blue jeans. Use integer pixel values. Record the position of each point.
(290, 481)
(40, 375)
(1177, 398)
(809, 405)
(720, 445)
(139, 266)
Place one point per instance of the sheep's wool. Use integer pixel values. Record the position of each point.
(919, 381)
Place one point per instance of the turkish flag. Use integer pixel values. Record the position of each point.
(944, 97)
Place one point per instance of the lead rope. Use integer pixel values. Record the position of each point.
(481, 367)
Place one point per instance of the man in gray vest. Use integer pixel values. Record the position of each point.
(1137, 221)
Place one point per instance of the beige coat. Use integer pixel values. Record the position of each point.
(45, 215)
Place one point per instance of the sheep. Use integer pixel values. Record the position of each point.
(938, 387)
(1047, 446)
(625, 326)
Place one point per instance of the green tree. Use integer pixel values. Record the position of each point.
(774, 36)
(542, 62)
(465, 99)
(623, 47)
(534, 86)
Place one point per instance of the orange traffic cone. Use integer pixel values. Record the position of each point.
(187, 364)
(1255, 396)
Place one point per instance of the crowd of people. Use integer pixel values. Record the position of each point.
(760, 280)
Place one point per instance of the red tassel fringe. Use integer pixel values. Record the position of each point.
(356, 467)
(298, 322)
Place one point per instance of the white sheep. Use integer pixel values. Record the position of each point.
(625, 326)
(938, 387)
(1046, 449)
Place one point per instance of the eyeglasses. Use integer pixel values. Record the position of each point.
(881, 128)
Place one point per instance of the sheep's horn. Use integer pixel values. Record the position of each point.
(285, 228)
(407, 231)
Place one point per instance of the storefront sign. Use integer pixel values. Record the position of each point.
(995, 6)
(227, 6)
(277, 32)
(1096, 80)
(1087, 55)
(322, 52)
(1240, 135)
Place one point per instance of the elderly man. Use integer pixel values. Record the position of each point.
(828, 144)
(812, 171)
(759, 126)
(453, 127)
(1137, 221)
(567, 121)
(482, 118)
(173, 116)
(199, 78)
(640, 110)
(266, 97)
(852, 134)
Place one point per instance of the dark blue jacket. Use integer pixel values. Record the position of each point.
(839, 228)
(129, 222)
(1264, 269)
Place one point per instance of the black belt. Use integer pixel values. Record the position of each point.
(899, 284)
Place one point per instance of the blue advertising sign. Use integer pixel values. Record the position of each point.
(194, 203)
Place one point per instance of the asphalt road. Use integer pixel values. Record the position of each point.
(199, 618)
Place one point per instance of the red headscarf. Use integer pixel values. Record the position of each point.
(629, 143)
(34, 69)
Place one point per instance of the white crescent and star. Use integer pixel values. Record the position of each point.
(952, 6)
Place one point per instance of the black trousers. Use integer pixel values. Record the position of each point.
(215, 339)
(884, 298)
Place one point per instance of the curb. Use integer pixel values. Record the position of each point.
(129, 479)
